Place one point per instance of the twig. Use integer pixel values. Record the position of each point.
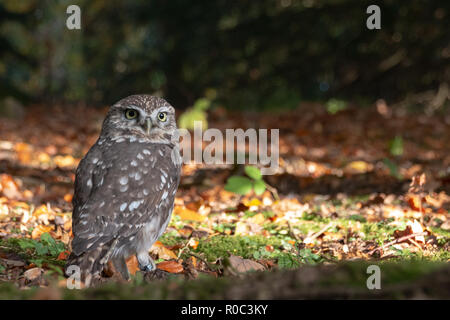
(183, 248)
(292, 233)
(416, 244)
(273, 191)
(398, 240)
(315, 235)
(201, 259)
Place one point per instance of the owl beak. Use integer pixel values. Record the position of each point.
(148, 125)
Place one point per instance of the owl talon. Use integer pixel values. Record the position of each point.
(148, 268)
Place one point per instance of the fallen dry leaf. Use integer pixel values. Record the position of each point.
(411, 227)
(358, 167)
(43, 209)
(193, 243)
(14, 263)
(39, 230)
(187, 214)
(9, 187)
(244, 265)
(65, 161)
(170, 266)
(63, 255)
(257, 219)
(163, 253)
(254, 202)
(415, 202)
(68, 197)
(32, 274)
(241, 228)
(416, 227)
(186, 231)
(132, 265)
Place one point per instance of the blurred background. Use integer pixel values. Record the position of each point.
(249, 54)
(363, 118)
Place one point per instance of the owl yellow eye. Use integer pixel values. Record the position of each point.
(162, 116)
(131, 114)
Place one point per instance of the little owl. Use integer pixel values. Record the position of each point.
(125, 187)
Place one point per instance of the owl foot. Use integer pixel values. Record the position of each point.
(146, 263)
(149, 268)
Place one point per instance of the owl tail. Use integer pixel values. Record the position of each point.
(89, 265)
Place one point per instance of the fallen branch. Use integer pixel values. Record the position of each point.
(398, 240)
(318, 233)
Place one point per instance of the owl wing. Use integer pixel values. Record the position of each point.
(83, 181)
(138, 182)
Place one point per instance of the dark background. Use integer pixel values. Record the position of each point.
(241, 54)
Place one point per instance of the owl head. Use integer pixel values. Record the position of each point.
(142, 116)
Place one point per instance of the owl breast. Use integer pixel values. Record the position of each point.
(140, 181)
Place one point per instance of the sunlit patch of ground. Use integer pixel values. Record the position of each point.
(344, 188)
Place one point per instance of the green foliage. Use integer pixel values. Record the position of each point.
(243, 185)
(357, 217)
(287, 261)
(53, 247)
(259, 187)
(239, 185)
(195, 114)
(253, 172)
(334, 106)
(262, 253)
(299, 51)
(244, 246)
(46, 247)
(307, 257)
(396, 146)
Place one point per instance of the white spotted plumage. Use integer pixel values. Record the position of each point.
(125, 188)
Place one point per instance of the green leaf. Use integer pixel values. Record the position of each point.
(47, 239)
(253, 172)
(197, 113)
(335, 105)
(259, 187)
(52, 246)
(357, 217)
(41, 249)
(56, 269)
(309, 257)
(287, 261)
(239, 185)
(26, 244)
(396, 146)
(38, 262)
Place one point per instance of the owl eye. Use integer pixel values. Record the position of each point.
(131, 114)
(162, 116)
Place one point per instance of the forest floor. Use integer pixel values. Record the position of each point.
(354, 188)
